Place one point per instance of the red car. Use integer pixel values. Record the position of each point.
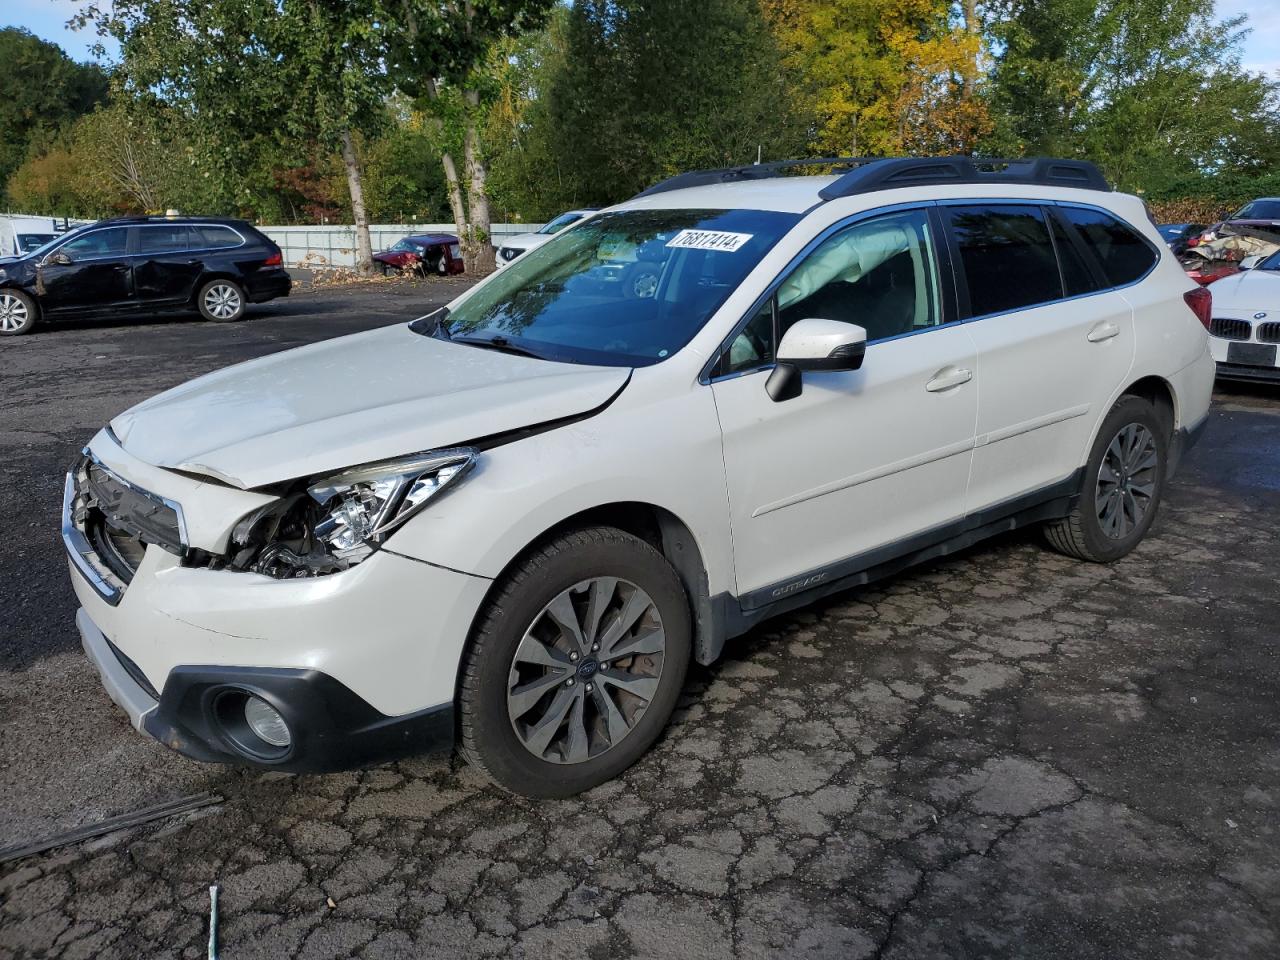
(425, 252)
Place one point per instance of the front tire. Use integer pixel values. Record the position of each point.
(1123, 483)
(17, 313)
(221, 301)
(575, 665)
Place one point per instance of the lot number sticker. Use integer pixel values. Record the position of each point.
(709, 240)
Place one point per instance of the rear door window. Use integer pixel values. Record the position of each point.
(163, 238)
(1077, 274)
(1124, 255)
(1007, 256)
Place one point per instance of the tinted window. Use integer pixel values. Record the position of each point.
(1124, 255)
(560, 222)
(1258, 210)
(165, 238)
(209, 236)
(1077, 277)
(1007, 256)
(99, 243)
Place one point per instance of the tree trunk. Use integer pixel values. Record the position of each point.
(974, 29)
(455, 204)
(364, 249)
(484, 259)
(453, 184)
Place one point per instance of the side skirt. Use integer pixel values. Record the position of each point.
(737, 615)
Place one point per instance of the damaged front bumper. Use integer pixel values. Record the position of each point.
(198, 714)
(361, 664)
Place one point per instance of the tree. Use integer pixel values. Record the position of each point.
(1150, 89)
(885, 77)
(41, 91)
(624, 93)
(440, 53)
(253, 73)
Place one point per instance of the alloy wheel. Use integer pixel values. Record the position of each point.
(586, 670)
(1126, 481)
(222, 301)
(13, 313)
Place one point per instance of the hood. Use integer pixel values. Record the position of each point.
(350, 401)
(1248, 290)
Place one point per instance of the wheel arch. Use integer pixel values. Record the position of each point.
(670, 536)
(1160, 393)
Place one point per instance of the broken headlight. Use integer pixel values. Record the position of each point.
(342, 518)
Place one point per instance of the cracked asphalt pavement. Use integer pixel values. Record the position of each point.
(1003, 754)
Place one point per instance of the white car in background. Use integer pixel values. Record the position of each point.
(21, 235)
(511, 525)
(1244, 334)
(512, 247)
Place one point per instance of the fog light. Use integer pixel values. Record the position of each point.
(265, 721)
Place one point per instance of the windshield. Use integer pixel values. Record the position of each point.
(560, 222)
(623, 289)
(1258, 210)
(1271, 263)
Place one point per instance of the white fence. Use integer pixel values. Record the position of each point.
(335, 245)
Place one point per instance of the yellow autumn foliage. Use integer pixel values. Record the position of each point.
(884, 77)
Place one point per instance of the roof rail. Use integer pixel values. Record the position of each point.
(931, 171)
(867, 174)
(754, 171)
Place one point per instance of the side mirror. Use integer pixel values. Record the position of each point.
(57, 259)
(814, 344)
(1248, 263)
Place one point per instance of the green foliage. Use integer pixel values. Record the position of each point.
(41, 91)
(1150, 89)
(404, 175)
(628, 92)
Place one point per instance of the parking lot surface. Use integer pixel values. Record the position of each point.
(1005, 754)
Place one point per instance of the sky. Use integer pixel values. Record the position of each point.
(47, 19)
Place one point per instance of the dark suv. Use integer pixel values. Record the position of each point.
(136, 265)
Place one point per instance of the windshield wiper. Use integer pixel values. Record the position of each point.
(499, 343)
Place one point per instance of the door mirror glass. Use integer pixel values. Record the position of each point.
(58, 259)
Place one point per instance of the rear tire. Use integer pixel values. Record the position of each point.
(1122, 486)
(546, 714)
(17, 313)
(221, 301)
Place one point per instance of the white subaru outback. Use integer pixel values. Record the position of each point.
(509, 525)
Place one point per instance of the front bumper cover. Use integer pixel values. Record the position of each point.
(332, 728)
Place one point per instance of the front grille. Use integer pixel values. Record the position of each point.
(107, 524)
(1269, 332)
(1228, 329)
(131, 513)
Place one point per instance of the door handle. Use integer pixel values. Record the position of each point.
(948, 377)
(1103, 331)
